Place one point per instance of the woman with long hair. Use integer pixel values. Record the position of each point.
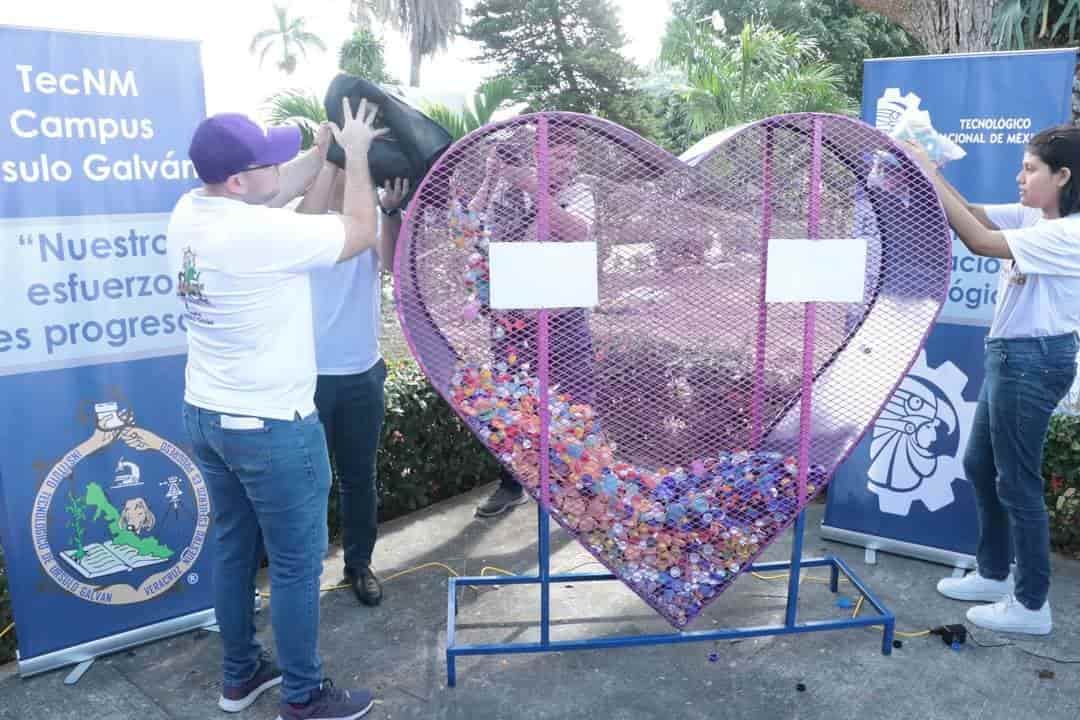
(1030, 365)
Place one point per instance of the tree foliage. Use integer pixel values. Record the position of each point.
(363, 55)
(290, 34)
(488, 98)
(730, 80)
(940, 26)
(298, 107)
(845, 34)
(428, 24)
(1021, 24)
(562, 54)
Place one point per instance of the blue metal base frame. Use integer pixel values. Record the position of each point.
(884, 617)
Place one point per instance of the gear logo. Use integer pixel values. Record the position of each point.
(890, 106)
(917, 445)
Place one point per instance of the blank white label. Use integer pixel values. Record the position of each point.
(535, 275)
(802, 270)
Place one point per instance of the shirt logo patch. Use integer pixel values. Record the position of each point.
(189, 286)
(1015, 276)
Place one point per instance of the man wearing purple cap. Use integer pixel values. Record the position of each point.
(242, 263)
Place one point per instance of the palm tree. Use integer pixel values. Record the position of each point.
(427, 23)
(289, 34)
(363, 55)
(299, 107)
(488, 98)
(761, 72)
(1019, 24)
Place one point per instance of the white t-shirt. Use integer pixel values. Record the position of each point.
(243, 274)
(347, 304)
(1038, 293)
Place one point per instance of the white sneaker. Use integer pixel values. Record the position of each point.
(1009, 615)
(973, 587)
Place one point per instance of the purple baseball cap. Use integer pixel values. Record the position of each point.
(229, 143)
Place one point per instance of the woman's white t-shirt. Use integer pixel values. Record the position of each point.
(1039, 292)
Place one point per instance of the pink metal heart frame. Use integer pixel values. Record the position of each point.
(680, 425)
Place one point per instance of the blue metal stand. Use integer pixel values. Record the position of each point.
(544, 579)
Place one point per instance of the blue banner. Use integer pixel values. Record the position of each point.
(903, 488)
(990, 104)
(905, 478)
(105, 516)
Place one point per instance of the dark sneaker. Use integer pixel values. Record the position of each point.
(235, 699)
(501, 500)
(365, 586)
(330, 703)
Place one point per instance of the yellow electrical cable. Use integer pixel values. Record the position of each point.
(924, 633)
(779, 576)
(6, 630)
(784, 576)
(331, 588)
(484, 570)
(403, 573)
(858, 606)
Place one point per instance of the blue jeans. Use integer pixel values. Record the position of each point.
(1026, 378)
(268, 488)
(352, 408)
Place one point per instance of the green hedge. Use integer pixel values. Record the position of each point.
(1061, 469)
(7, 643)
(428, 455)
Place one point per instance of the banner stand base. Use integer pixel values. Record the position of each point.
(874, 544)
(86, 653)
(202, 620)
(75, 675)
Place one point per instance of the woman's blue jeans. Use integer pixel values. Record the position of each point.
(1026, 378)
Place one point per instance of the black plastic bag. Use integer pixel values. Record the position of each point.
(413, 144)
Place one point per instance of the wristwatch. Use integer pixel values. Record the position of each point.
(390, 213)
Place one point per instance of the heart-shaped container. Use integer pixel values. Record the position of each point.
(687, 419)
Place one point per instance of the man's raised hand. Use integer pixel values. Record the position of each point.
(359, 131)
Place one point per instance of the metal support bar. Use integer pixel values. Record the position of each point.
(795, 573)
(881, 616)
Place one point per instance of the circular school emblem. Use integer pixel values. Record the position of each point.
(121, 517)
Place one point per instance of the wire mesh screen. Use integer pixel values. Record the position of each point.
(682, 422)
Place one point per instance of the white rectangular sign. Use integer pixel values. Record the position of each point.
(536, 275)
(801, 270)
